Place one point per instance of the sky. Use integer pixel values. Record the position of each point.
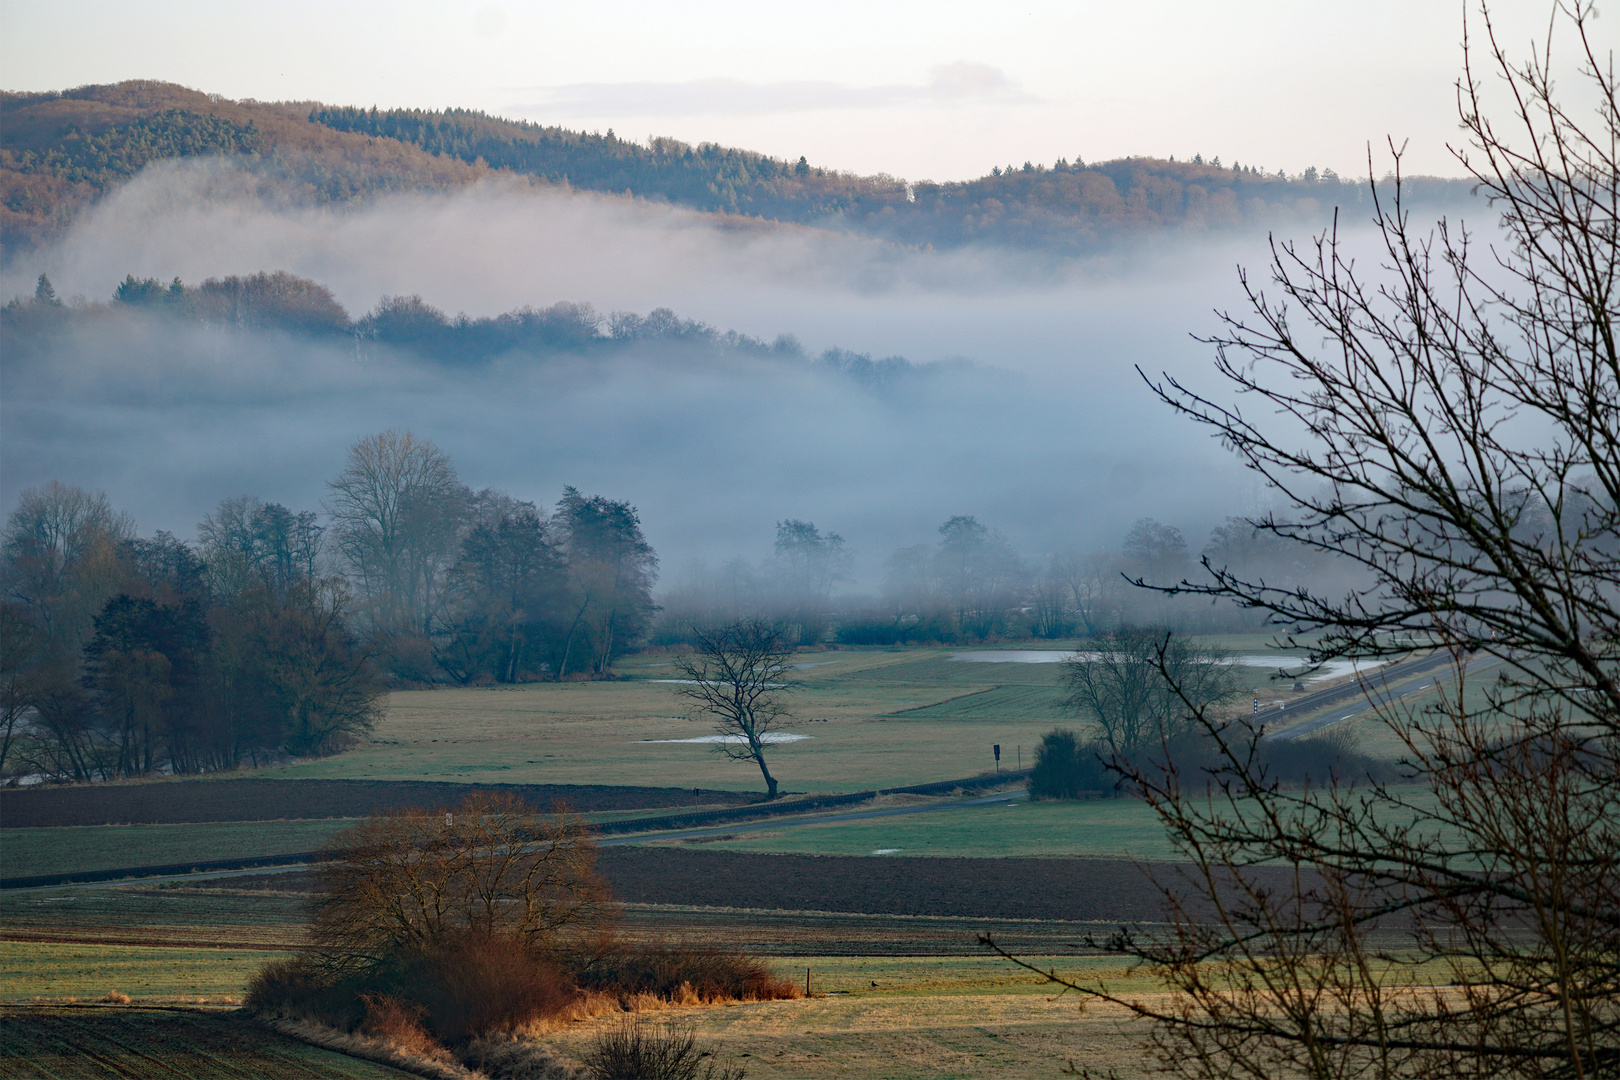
(941, 90)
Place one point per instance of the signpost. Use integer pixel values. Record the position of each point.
(997, 749)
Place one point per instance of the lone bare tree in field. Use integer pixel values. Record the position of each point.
(738, 676)
(1452, 430)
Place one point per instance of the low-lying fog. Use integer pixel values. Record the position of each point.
(1047, 433)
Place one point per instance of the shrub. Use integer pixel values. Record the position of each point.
(1320, 759)
(638, 1050)
(398, 1023)
(474, 987)
(484, 985)
(299, 988)
(682, 973)
(1066, 768)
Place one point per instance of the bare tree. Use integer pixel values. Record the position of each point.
(396, 511)
(979, 573)
(1451, 430)
(1118, 681)
(418, 880)
(808, 563)
(738, 676)
(63, 558)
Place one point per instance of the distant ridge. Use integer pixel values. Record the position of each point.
(61, 151)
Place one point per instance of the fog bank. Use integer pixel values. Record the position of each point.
(1047, 434)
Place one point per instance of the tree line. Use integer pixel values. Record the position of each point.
(972, 584)
(1068, 207)
(277, 631)
(283, 302)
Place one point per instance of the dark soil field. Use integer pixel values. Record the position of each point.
(1111, 890)
(161, 1044)
(785, 904)
(247, 799)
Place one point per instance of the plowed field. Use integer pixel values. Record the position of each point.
(154, 1044)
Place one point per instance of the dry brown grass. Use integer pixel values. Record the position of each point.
(904, 1037)
(435, 1064)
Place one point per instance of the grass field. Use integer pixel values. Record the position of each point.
(876, 719)
(923, 1020)
(84, 972)
(1122, 828)
(35, 852)
(906, 1018)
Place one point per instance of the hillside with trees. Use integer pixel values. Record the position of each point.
(61, 151)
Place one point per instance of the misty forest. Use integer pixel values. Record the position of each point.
(492, 599)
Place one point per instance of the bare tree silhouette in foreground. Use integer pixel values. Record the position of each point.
(1451, 426)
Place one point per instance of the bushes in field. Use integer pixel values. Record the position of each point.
(451, 927)
(1066, 768)
(684, 974)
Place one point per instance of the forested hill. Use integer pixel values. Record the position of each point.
(1068, 206)
(60, 151)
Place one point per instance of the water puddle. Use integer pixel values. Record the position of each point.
(1330, 669)
(768, 737)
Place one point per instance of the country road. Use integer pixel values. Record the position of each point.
(1374, 688)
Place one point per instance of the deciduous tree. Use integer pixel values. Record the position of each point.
(1450, 426)
(739, 676)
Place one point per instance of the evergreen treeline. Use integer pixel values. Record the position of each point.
(287, 303)
(276, 632)
(60, 150)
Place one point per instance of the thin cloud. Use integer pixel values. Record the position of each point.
(959, 83)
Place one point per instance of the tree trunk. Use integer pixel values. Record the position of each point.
(770, 781)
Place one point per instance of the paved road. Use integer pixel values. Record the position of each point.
(612, 841)
(1378, 691)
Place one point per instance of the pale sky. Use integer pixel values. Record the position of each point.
(939, 90)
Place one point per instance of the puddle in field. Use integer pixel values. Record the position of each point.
(769, 737)
(1013, 656)
(887, 850)
(1331, 669)
(694, 682)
